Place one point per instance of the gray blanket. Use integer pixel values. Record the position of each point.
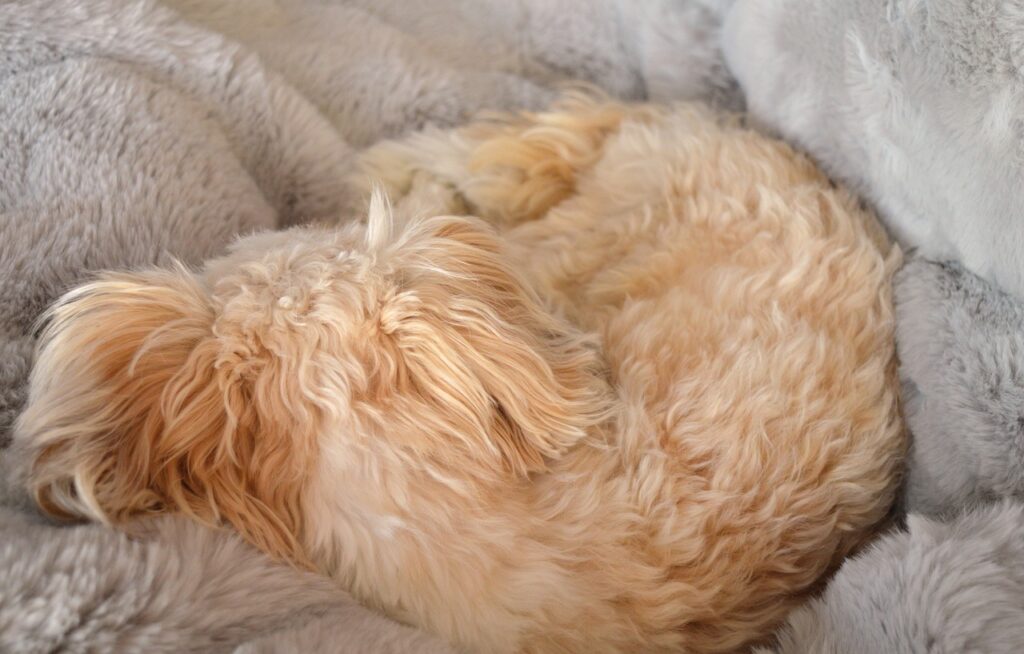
(938, 587)
(919, 105)
(136, 131)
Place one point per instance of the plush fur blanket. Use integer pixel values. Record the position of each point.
(961, 343)
(183, 588)
(919, 105)
(133, 132)
(938, 587)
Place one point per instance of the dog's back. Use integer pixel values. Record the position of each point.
(743, 307)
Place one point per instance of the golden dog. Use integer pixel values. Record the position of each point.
(644, 401)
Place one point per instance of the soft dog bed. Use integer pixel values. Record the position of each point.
(937, 587)
(185, 589)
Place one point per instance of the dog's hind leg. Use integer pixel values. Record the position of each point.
(508, 168)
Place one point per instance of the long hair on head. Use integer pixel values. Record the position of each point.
(137, 407)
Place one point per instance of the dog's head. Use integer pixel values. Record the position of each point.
(212, 394)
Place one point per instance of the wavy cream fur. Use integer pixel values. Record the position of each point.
(648, 407)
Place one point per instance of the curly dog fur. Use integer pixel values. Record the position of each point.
(644, 401)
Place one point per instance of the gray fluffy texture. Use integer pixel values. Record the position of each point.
(940, 588)
(180, 588)
(961, 344)
(133, 132)
(348, 629)
(918, 105)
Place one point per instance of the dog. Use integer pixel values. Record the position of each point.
(603, 378)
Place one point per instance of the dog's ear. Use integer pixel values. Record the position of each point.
(136, 406)
(489, 372)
